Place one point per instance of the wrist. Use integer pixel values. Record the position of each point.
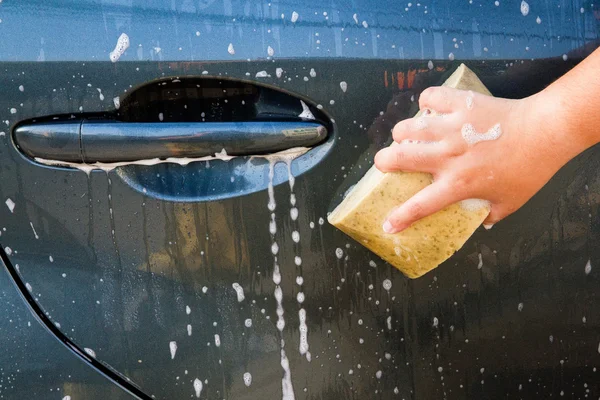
(552, 122)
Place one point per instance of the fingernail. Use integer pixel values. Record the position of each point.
(387, 227)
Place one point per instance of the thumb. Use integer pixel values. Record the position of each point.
(429, 200)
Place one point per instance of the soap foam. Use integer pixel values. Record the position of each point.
(121, 46)
(343, 86)
(474, 204)
(247, 379)
(173, 348)
(469, 100)
(239, 290)
(306, 113)
(524, 8)
(198, 387)
(10, 204)
(471, 136)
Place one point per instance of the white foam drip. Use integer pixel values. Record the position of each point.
(294, 213)
(472, 137)
(33, 229)
(524, 8)
(248, 322)
(217, 340)
(343, 86)
(278, 293)
(287, 388)
(188, 310)
(230, 49)
(303, 347)
(198, 387)
(306, 113)
(120, 47)
(173, 349)
(296, 236)
(480, 264)
(90, 351)
(286, 382)
(10, 204)
(247, 379)
(588, 267)
(189, 329)
(387, 284)
(272, 224)
(239, 291)
(288, 154)
(271, 190)
(276, 275)
(294, 16)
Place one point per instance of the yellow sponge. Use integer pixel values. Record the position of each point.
(428, 242)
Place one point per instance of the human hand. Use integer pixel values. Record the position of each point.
(481, 147)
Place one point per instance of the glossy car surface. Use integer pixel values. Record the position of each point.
(221, 278)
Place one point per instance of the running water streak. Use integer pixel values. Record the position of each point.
(287, 388)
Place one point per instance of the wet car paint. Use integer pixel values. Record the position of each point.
(127, 273)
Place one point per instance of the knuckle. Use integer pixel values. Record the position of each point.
(460, 184)
(427, 95)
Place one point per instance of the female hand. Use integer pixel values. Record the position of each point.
(478, 147)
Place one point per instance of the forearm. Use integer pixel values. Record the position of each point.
(568, 111)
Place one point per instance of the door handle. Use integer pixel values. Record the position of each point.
(89, 141)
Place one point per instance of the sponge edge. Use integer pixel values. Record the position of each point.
(428, 242)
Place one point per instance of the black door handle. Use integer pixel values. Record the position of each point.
(89, 141)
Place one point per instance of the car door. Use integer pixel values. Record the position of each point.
(217, 277)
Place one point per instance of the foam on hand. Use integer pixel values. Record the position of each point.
(472, 137)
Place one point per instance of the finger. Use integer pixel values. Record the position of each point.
(425, 128)
(442, 99)
(429, 200)
(411, 157)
